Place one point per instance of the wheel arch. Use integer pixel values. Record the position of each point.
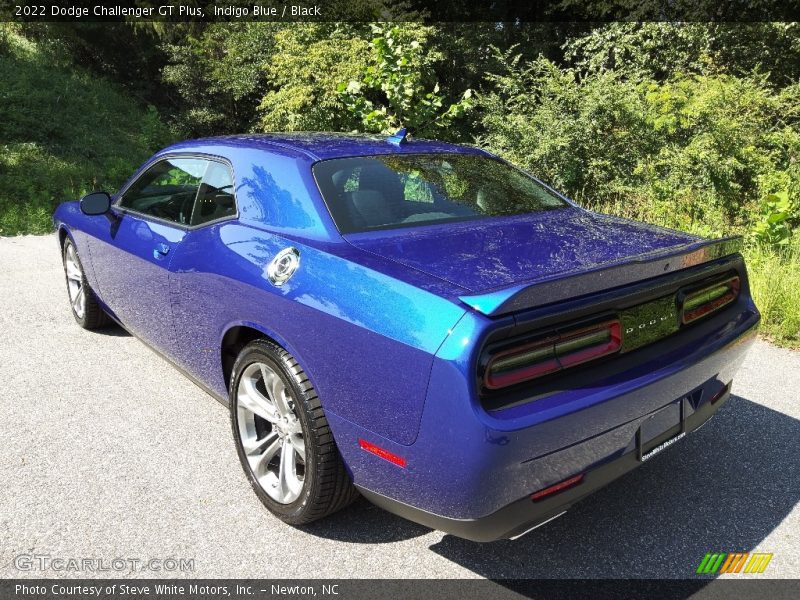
(238, 335)
(64, 233)
(62, 236)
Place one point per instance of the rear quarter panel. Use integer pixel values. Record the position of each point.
(366, 340)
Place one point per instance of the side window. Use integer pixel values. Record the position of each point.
(167, 190)
(215, 198)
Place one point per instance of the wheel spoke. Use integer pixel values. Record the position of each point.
(276, 390)
(73, 272)
(258, 462)
(253, 447)
(288, 483)
(258, 404)
(299, 446)
(77, 304)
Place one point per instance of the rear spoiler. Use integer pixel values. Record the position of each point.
(563, 286)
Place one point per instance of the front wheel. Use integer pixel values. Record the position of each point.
(85, 308)
(283, 439)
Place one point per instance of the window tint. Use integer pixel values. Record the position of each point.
(167, 190)
(215, 198)
(378, 192)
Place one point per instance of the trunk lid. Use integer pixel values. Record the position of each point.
(512, 263)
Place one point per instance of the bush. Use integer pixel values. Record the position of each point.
(709, 154)
(310, 61)
(64, 133)
(693, 152)
(584, 137)
(398, 87)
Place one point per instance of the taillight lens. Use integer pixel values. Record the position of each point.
(521, 364)
(702, 302)
(551, 354)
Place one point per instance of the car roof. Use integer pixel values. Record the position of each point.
(322, 146)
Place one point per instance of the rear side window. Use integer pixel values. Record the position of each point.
(187, 191)
(215, 197)
(402, 190)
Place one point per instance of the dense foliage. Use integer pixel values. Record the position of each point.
(62, 133)
(694, 126)
(697, 152)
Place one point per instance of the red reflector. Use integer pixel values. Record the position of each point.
(384, 454)
(562, 485)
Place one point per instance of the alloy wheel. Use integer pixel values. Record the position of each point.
(270, 433)
(77, 293)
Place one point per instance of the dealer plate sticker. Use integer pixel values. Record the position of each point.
(663, 446)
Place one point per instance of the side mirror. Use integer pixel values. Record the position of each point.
(96, 203)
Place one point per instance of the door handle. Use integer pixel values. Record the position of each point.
(160, 251)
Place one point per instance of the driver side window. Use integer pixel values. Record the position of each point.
(167, 190)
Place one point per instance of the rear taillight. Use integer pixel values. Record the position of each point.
(552, 353)
(699, 303)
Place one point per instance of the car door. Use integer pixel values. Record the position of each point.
(131, 260)
(199, 283)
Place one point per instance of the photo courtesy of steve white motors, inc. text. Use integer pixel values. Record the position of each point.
(167, 11)
(99, 590)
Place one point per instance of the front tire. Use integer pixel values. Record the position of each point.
(283, 439)
(83, 302)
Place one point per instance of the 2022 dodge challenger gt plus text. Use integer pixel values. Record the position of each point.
(419, 322)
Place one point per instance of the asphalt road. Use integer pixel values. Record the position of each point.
(108, 452)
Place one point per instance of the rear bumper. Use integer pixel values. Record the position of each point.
(523, 515)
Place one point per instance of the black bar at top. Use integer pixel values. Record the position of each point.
(505, 11)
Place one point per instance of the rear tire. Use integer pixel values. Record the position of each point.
(283, 439)
(83, 302)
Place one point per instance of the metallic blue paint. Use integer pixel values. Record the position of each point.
(384, 322)
(485, 255)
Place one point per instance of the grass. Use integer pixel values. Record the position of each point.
(62, 133)
(775, 284)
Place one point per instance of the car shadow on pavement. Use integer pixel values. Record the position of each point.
(113, 330)
(365, 523)
(722, 489)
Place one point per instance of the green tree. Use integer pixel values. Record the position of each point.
(309, 61)
(398, 86)
(658, 50)
(218, 74)
(696, 152)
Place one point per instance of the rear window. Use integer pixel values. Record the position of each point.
(381, 192)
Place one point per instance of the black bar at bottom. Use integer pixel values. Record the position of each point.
(395, 589)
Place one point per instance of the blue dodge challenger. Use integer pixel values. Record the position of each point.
(418, 322)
